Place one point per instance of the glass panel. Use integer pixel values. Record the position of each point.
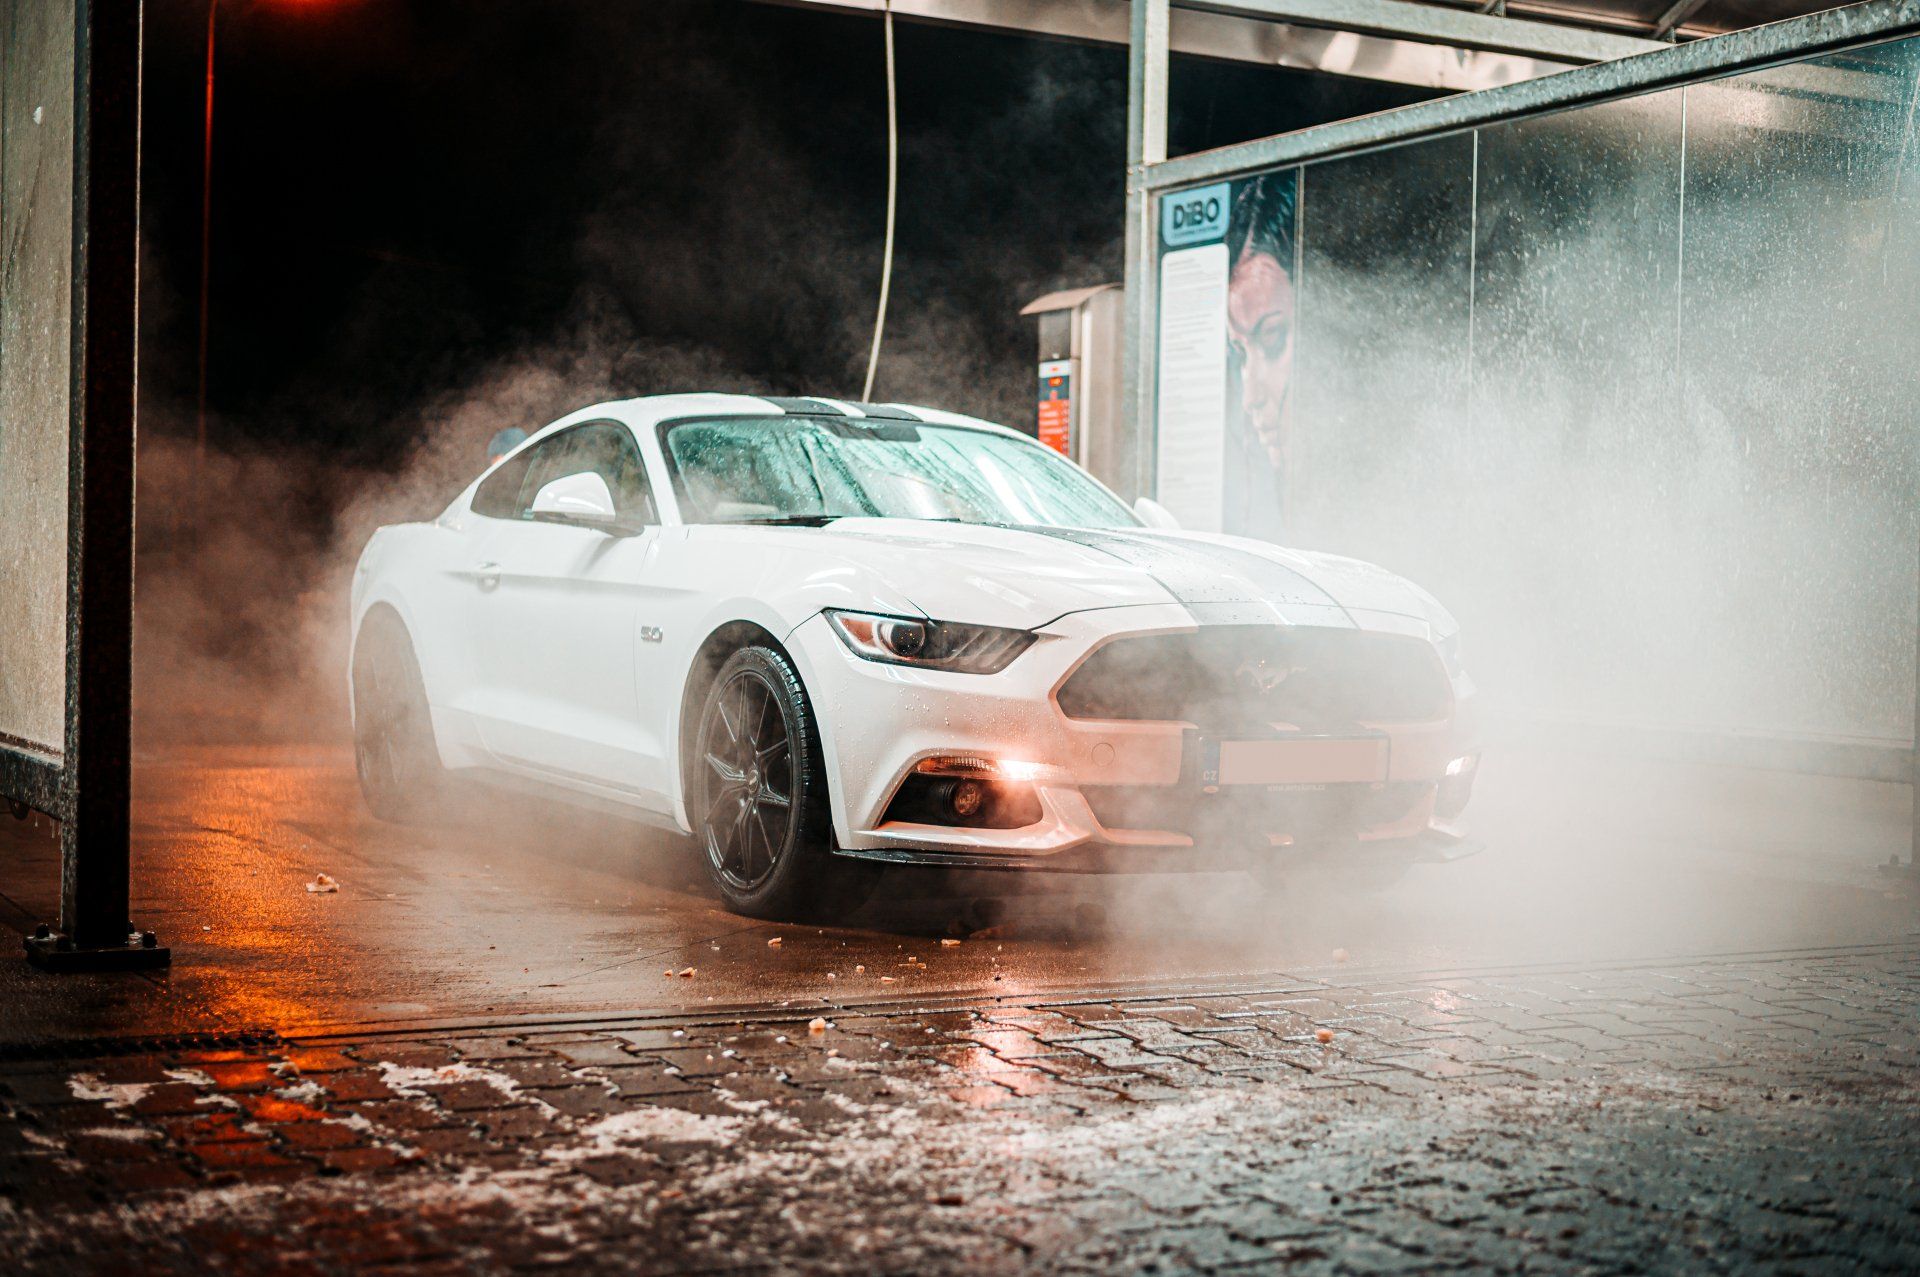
(36, 229)
(1677, 485)
(1799, 348)
(1383, 346)
(1577, 555)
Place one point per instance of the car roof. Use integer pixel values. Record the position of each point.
(644, 413)
(650, 410)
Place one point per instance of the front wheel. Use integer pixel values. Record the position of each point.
(759, 795)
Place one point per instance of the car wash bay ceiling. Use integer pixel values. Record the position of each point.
(1440, 45)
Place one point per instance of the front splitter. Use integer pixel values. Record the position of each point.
(1433, 846)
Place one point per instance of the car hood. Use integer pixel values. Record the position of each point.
(1026, 577)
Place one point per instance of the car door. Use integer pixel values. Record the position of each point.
(557, 592)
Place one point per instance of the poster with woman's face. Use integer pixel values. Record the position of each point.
(1226, 348)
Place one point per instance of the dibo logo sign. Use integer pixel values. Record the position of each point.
(1198, 216)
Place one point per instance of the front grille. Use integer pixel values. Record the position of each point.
(1331, 813)
(1227, 677)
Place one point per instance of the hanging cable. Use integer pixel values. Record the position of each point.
(893, 187)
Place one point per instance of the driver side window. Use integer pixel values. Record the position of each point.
(603, 448)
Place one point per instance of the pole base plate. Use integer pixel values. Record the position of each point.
(50, 951)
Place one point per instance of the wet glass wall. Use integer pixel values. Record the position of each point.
(1632, 389)
(36, 279)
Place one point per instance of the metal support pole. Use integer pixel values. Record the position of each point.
(95, 827)
(1908, 874)
(1147, 75)
(1913, 853)
(206, 238)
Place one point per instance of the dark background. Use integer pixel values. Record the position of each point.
(436, 218)
(683, 194)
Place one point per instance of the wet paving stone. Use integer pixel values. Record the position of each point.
(1716, 1116)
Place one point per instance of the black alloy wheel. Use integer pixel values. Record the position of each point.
(394, 753)
(759, 793)
(751, 781)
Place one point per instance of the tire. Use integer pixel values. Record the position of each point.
(394, 753)
(758, 797)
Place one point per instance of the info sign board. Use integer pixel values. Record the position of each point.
(1228, 261)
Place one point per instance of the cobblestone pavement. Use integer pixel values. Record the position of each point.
(1723, 1115)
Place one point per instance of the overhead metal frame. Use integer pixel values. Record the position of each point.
(1665, 66)
(1463, 28)
(1151, 174)
(1397, 41)
(88, 789)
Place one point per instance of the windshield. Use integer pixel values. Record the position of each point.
(808, 469)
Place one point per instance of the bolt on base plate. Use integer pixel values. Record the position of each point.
(51, 951)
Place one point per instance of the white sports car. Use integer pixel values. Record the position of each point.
(818, 635)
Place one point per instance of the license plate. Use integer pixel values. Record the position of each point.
(1311, 760)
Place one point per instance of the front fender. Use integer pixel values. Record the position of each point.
(788, 602)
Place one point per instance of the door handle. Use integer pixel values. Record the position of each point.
(488, 575)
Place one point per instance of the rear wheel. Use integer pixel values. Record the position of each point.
(393, 747)
(759, 796)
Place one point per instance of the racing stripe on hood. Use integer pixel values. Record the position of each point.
(811, 407)
(803, 407)
(1218, 584)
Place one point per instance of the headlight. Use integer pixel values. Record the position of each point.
(934, 645)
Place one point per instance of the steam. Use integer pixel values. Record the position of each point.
(758, 277)
(1659, 466)
(1614, 549)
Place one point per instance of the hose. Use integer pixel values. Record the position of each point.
(893, 188)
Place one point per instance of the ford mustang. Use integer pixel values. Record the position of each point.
(820, 635)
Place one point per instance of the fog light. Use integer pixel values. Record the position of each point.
(1456, 788)
(970, 802)
(967, 798)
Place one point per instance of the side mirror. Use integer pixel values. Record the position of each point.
(576, 498)
(1155, 515)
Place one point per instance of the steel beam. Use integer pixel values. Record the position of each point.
(94, 802)
(1667, 67)
(1148, 68)
(1462, 28)
(1221, 37)
(106, 237)
(1675, 16)
(1347, 53)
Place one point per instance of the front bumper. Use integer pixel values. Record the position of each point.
(879, 721)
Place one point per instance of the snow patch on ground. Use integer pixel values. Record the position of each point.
(380, 1139)
(131, 1134)
(305, 1092)
(115, 1095)
(418, 1082)
(624, 1131)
